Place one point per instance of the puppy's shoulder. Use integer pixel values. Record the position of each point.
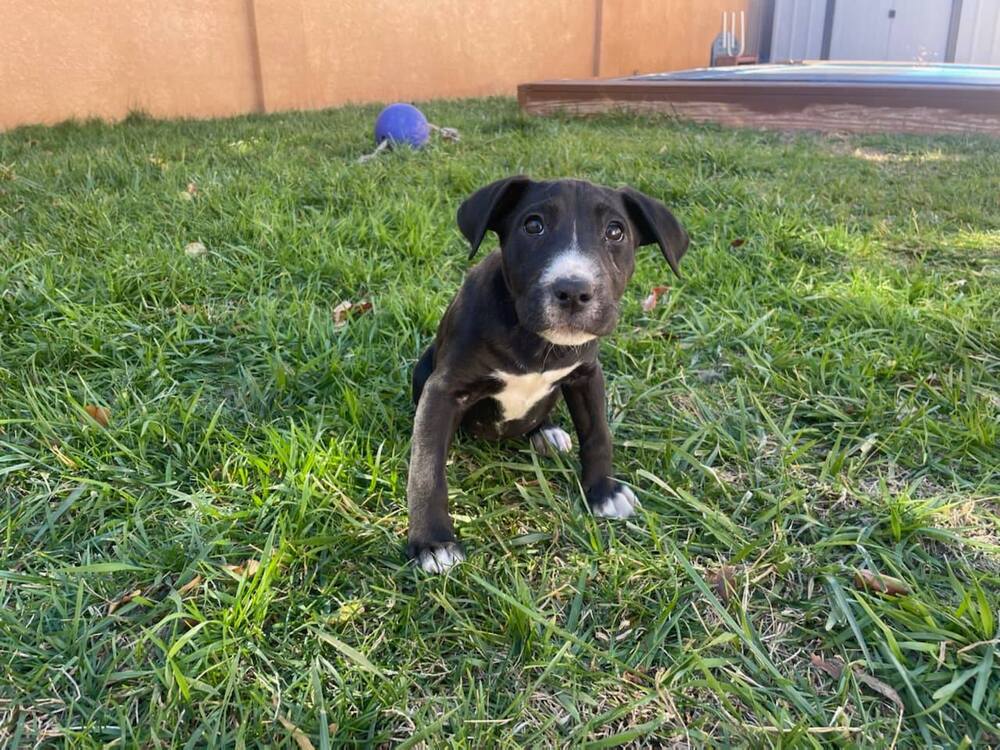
(482, 277)
(483, 300)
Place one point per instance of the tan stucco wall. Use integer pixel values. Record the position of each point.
(399, 49)
(646, 36)
(200, 58)
(80, 58)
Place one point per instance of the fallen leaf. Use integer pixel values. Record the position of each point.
(99, 414)
(248, 568)
(880, 584)
(123, 600)
(723, 581)
(348, 309)
(633, 678)
(300, 737)
(189, 586)
(340, 313)
(195, 249)
(835, 668)
(738, 242)
(654, 297)
(192, 189)
(879, 687)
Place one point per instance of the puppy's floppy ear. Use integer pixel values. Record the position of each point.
(656, 224)
(484, 209)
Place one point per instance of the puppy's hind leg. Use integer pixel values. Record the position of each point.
(421, 372)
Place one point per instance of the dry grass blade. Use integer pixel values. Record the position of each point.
(248, 568)
(123, 600)
(190, 586)
(65, 460)
(880, 584)
(300, 737)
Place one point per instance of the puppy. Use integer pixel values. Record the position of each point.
(522, 331)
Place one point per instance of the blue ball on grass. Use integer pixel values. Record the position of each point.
(402, 123)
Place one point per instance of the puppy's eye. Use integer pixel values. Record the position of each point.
(615, 232)
(534, 224)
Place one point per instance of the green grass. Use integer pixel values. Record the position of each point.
(822, 398)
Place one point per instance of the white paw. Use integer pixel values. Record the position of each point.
(441, 558)
(622, 504)
(554, 436)
(558, 439)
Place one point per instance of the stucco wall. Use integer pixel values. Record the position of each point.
(63, 58)
(201, 58)
(646, 36)
(398, 49)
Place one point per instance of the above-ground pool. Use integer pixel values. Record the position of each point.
(847, 96)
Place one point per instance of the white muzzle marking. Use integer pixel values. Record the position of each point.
(569, 264)
(566, 337)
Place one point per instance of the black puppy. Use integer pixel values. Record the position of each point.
(523, 328)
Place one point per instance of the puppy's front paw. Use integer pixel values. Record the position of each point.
(437, 557)
(612, 499)
(552, 436)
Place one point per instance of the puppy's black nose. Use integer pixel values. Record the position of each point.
(573, 292)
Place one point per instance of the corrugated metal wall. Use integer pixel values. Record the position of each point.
(979, 33)
(798, 30)
(897, 30)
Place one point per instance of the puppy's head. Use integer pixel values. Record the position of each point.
(568, 249)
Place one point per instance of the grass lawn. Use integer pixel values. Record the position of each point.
(819, 395)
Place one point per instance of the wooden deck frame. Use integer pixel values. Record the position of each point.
(785, 105)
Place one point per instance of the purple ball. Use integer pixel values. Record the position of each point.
(402, 123)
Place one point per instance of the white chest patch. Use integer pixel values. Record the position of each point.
(522, 391)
